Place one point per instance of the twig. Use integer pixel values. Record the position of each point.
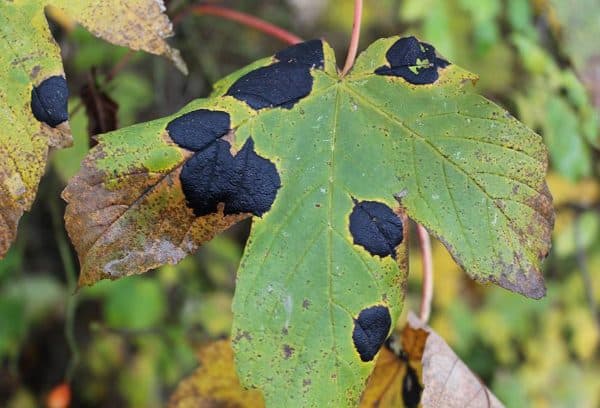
(427, 261)
(117, 68)
(122, 63)
(353, 48)
(242, 18)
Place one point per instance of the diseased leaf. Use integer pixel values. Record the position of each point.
(215, 383)
(33, 89)
(318, 160)
(423, 371)
(128, 211)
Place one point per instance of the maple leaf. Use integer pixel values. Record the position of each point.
(318, 162)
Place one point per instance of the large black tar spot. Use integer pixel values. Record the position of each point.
(256, 184)
(283, 83)
(370, 331)
(376, 227)
(414, 61)
(244, 183)
(198, 129)
(49, 101)
(309, 53)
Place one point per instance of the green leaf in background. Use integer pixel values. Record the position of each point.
(135, 304)
(67, 161)
(33, 89)
(555, 102)
(568, 150)
(327, 165)
(25, 301)
(578, 33)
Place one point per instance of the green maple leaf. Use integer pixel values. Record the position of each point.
(32, 80)
(322, 278)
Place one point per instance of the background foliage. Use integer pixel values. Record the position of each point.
(136, 338)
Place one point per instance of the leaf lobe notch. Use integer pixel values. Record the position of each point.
(414, 61)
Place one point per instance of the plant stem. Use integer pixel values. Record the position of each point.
(72, 296)
(353, 48)
(244, 19)
(427, 261)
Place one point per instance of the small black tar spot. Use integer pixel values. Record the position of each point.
(245, 183)
(375, 227)
(283, 83)
(413, 60)
(370, 331)
(411, 388)
(196, 130)
(49, 101)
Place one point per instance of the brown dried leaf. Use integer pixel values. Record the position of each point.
(130, 223)
(446, 381)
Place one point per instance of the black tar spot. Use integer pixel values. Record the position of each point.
(283, 83)
(245, 183)
(414, 61)
(308, 53)
(370, 331)
(49, 101)
(375, 227)
(198, 129)
(256, 185)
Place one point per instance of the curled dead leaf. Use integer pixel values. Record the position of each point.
(423, 370)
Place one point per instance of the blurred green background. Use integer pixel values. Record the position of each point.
(129, 342)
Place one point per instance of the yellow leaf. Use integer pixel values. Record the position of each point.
(215, 383)
(33, 88)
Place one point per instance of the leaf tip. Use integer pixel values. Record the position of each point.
(530, 284)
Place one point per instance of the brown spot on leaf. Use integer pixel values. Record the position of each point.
(35, 72)
(287, 351)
